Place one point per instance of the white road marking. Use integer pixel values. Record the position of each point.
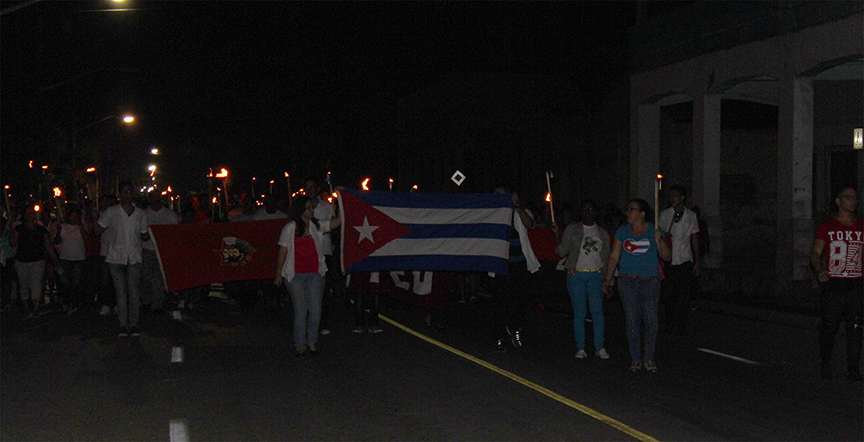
(734, 358)
(177, 354)
(178, 430)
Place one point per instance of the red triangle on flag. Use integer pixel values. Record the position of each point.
(365, 229)
(629, 246)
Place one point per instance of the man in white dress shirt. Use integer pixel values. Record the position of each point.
(683, 224)
(127, 228)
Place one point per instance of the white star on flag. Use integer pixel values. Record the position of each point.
(365, 230)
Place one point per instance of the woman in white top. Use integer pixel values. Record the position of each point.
(71, 236)
(301, 267)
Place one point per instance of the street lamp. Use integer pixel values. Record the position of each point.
(154, 151)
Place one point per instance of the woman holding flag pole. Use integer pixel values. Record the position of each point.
(301, 267)
(637, 245)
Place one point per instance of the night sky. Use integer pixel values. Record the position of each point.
(236, 84)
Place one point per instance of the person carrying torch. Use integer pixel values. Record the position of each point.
(636, 249)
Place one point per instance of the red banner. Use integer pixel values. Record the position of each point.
(192, 255)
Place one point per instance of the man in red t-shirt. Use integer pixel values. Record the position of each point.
(836, 259)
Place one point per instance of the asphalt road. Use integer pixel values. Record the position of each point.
(235, 378)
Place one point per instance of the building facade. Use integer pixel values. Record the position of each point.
(751, 105)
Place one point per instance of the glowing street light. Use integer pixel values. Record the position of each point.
(128, 119)
(154, 151)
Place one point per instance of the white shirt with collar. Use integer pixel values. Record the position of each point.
(124, 234)
(681, 232)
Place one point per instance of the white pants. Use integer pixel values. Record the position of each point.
(30, 279)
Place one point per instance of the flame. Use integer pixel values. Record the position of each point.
(659, 177)
(169, 189)
(329, 200)
(272, 181)
(214, 200)
(45, 167)
(365, 184)
(286, 174)
(335, 195)
(57, 192)
(222, 174)
(164, 192)
(211, 173)
(391, 180)
(253, 178)
(37, 208)
(549, 197)
(31, 164)
(91, 169)
(6, 187)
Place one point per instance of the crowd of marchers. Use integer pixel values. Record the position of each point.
(99, 259)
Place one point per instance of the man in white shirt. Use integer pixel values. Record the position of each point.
(683, 225)
(127, 228)
(153, 285)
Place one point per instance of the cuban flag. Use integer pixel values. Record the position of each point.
(637, 247)
(383, 231)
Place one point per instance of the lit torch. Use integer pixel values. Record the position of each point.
(550, 175)
(658, 184)
(365, 184)
(58, 203)
(288, 182)
(224, 175)
(6, 196)
(391, 184)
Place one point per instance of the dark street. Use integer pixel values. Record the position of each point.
(236, 378)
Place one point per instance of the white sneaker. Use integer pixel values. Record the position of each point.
(581, 354)
(105, 311)
(602, 354)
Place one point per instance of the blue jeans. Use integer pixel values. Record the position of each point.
(307, 291)
(127, 280)
(641, 297)
(587, 286)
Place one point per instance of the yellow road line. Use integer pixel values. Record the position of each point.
(543, 390)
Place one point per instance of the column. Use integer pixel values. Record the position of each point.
(645, 145)
(795, 182)
(706, 171)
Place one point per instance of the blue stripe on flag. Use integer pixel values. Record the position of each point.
(433, 200)
(431, 263)
(494, 231)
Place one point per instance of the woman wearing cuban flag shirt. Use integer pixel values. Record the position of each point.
(637, 249)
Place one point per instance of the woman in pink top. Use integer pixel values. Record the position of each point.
(301, 267)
